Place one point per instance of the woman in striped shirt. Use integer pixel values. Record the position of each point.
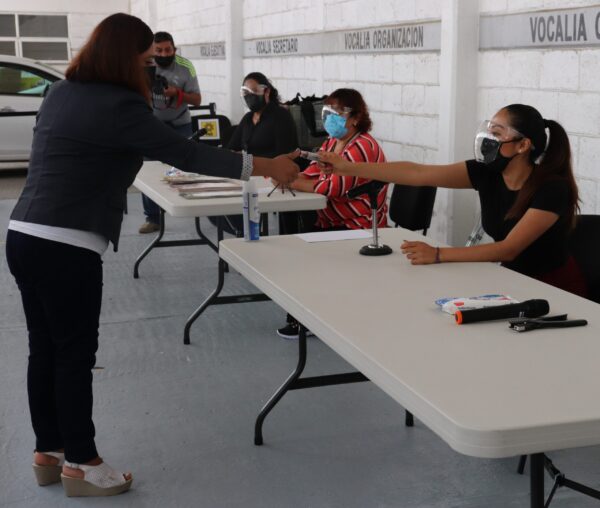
(347, 122)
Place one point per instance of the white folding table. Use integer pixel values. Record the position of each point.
(486, 390)
(150, 181)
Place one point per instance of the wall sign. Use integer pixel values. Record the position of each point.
(382, 39)
(205, 50)
(569, 27)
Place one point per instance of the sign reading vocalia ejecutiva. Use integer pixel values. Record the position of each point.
(204, 50)
(569, 27)
(381, 39)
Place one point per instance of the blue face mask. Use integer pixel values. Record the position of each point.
(335, 125)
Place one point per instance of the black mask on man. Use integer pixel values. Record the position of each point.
(255, 102)
(164, 61)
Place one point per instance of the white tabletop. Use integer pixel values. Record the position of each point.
(486, 390)
(149, 181)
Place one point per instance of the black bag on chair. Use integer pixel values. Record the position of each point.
(306, 112)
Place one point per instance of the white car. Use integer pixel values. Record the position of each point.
(23, 84)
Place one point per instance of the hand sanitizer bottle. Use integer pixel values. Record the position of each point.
(251, 212)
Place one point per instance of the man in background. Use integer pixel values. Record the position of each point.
(174, 89)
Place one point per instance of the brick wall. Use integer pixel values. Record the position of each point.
(562, 83)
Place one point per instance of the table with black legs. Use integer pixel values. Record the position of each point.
(484, 389)
(150, 181)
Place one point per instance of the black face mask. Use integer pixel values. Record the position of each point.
(164, 61)
(494, 160)
(255, 102)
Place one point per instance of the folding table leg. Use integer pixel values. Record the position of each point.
(213, 295)
(258, 437)
(146, 251)
(536, 467)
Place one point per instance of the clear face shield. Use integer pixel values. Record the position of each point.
(490, 137)
(330, 110)
(245, 91)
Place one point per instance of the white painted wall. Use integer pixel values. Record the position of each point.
(563, 84)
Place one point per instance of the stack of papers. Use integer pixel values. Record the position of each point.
(207, 187)
(211, 194)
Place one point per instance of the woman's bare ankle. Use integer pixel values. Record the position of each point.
(43, 459)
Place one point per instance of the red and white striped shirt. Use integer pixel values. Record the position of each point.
(342, 211)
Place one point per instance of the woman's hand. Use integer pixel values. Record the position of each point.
(284, 169)
(330, 162)
(419, 253)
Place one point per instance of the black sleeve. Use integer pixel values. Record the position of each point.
(552, 196)
(236, 141)
(138, 130)
(285, 136)
(477, 172)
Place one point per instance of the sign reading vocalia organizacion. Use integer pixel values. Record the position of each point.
(205, 50)
(569, 27)
(382, 39)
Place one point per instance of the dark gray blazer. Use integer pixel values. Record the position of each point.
(87, 148)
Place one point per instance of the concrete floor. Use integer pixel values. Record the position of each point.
(181, 417)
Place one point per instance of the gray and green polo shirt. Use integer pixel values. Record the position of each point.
(181, 74)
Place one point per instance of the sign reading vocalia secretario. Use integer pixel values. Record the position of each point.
(382, 39)
(204, 50)
(569, 27)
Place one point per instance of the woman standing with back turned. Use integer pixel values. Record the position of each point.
(91, 134)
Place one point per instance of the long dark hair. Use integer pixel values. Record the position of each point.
(261, 79)
(350, 98)
(555, 162)
(111, 54)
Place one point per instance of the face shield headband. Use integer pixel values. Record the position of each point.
(329, 110)
(489, 139)
(245, 91)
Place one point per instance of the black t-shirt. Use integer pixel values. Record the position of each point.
(274, 134)
(549, 251)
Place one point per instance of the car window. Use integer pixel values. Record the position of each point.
(17, 80)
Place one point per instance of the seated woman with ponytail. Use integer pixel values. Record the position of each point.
(527, 191)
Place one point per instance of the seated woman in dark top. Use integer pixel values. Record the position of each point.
(527, 191)
(267, 130)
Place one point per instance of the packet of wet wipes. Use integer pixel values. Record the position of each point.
(452, 304)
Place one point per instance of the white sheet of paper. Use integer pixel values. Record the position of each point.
(334, 236)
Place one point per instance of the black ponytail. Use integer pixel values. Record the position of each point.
(550, 156)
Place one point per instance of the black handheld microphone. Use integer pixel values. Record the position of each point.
(198, 134)
(528, 308)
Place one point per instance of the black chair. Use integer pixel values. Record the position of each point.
(412, 207)
(225, 129)
(584, 246)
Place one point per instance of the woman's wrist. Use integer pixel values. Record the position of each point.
(437, 255)
(262, 166)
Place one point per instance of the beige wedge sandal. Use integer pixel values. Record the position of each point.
(100, 480)
(47, 475)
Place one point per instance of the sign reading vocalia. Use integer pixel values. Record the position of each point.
(204, 50)
(382, 39)
(572, 27)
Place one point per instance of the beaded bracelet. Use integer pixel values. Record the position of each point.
(437, 255)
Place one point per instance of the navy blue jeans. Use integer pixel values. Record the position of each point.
(61, 290)
(151, 209)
